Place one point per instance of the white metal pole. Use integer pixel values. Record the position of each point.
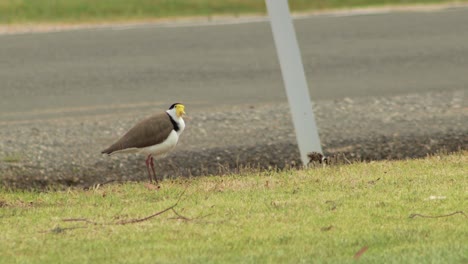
(294, 78)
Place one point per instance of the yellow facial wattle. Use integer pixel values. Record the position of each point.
(180, 110)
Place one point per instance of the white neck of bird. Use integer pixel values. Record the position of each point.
(172, 113)
(179, 120)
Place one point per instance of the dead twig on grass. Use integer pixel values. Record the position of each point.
(181, 217)
(139, 220)
(59, 229)
(437, 216)
(360, 252)
(132, 221)
(374, 181)
(81, 220)
(326, 228)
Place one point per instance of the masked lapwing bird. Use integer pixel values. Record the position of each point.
(153, 136)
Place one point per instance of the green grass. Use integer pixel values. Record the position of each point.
(322, 215)
(76, 11)
(11, 158)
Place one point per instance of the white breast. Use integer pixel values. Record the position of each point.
(181, 124)
(164, 147)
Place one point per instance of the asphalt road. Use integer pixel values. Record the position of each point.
(344, 56)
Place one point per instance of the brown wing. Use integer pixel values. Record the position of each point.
(148, 132)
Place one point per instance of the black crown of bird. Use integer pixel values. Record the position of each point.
(153, 136)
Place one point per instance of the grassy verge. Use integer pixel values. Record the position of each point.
(318, 215)
(75, 11)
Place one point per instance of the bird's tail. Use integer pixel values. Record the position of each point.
(107, 151)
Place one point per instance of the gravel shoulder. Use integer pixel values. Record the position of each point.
(64, 148)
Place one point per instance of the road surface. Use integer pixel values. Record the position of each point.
(344, 56)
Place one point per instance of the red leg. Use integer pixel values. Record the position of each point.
(148, 160)
(154, 173)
